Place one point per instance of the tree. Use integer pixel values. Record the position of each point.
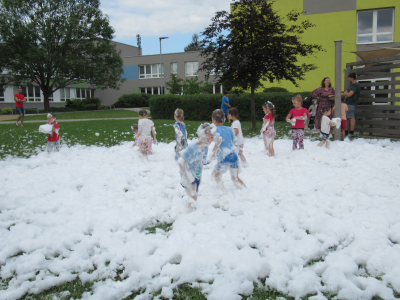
(189, 86)
(253, 43)
(194, 45)
(56, 43)
(174, 86)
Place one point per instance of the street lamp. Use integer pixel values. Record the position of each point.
(161, 66)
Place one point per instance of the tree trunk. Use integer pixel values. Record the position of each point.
(46, 101)
(253, 110)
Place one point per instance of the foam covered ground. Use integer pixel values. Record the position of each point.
(310, 222)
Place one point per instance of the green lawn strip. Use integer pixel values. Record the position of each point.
(87, 115)
(27, 141)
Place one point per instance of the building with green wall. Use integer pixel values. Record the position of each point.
(362, 25)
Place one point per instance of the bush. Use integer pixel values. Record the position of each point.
(6, 111)
(85, 104)
(275, 90)
(200, 107)
(103, 107)
(133, 100)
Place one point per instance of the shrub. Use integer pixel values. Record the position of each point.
(6, 111)
(85, 104)
(133, 100)
(200, 107)
(103, 107)
(275, 90)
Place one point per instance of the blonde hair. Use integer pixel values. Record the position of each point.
(299, 98)
(179, 114)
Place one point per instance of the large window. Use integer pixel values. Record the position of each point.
(1, 95)
(174, 68)
(84, 93)
(375, 26)
(151, 90)
(151, 71)
(31, 93)
(65, 94)
(192, 68)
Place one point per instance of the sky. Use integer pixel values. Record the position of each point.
(177, 19)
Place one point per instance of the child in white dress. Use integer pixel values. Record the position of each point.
(146, 126)
(236, 127)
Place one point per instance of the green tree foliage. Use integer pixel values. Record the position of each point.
(254, 44)
(189, 86)
(56, 43)
(194, 45)
(174, 86)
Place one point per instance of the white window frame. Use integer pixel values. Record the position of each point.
(176, 69)
(25, 91)
(150, 89)
(91, 93)
(375, 33)
(152, 73)
(373, 88)
(191, 68)
(2, 94)
(63, 94)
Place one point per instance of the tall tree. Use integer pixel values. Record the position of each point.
(254, 44)
(194, 44)
(55, 43)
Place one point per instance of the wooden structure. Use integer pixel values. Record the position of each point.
(377, 113)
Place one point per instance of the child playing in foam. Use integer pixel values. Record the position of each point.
(225, 152)
(191, 160)
(268, 130)
(233, 115)
(326, 124)
(296, 117)
(135, 129)
(53, 140)
(145, 127)
(180, 133)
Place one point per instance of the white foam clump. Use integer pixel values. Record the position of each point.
(304, 234)
(337, 122)
(46, 128)
(97, 134)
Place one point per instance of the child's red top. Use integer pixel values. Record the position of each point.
(54, 136)
(298, 113)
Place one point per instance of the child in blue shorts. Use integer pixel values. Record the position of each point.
(191, 160)
(225, 152)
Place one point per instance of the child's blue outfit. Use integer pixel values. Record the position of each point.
(225, 107)
(226, 153)
(194, 158)
(179, 127)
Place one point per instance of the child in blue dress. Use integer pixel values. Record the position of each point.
(180, 133)
(225, 152)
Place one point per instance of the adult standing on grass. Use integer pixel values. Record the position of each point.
(19, 99)
(322, 94)
(352, 95)
(225, 103)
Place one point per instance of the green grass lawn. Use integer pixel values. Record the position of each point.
(95, 114)
(26, 141)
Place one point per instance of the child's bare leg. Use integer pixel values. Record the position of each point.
(327, 144)
(321, 143)
(191, 191)
(242, 158)
(217, 178)
(235, 178)
(271, 148)
(265, 144)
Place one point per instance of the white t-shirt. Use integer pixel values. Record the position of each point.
(145, 126)
(313, 109)
(325, 127)
(239, 137)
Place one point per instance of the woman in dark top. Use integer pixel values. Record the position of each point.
(322, 94)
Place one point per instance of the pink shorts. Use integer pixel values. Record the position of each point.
(343, 124)
(269, 133)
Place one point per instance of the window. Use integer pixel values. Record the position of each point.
(174, 68)
(380, 98)
(65, 94)
(1, 95)
(375, 26)
(84, 93)
(151, 71)
(150, 90)
(192, 68)
(31, 93)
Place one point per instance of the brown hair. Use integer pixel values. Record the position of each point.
(226, 92)
(271, 106)
(142, 112)
(233, 112)
(352, 75)
(218, 115)
(324, 110)
(179, 114)
(135, 127)
(342, 98)
(323, 82)
(298, 97)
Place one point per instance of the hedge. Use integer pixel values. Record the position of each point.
(84, 104)
(133, 100)
(200, 107)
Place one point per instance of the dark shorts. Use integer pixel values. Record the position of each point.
(324, 136)
(350, 113)
(20, 110)
(195, 183)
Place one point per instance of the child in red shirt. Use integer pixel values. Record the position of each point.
(296, 116)
(53, 141)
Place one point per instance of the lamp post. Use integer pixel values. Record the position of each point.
(161, 66)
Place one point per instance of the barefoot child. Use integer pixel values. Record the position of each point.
(313, 109)
(53, 141)
(225, 152)
(135, 129)
(343, 112)
(296, 116)
(180, 133)
(268, 130)
(326, 125)
(191, 160)
(145, 127)
(233, 115)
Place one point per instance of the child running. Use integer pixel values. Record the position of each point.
(180, 133)
(268, 131)
(191, 160)
(326, 124)
(296, 116)
(233, 115)
(145, 127)
(135, 128)
(53, 140)
(225, 152)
